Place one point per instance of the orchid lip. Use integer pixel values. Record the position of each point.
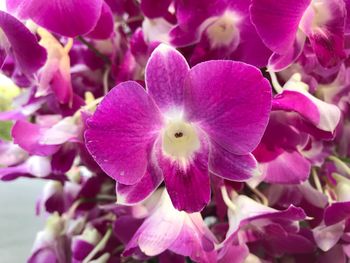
(179, 140)
(224, 31)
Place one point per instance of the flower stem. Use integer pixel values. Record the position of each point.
(227, 199)
(105, 59)
(101, 245)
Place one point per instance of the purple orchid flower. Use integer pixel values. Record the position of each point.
(284, 26)
(220, 29)
(188, 123)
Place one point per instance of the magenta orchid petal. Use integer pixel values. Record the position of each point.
(224, 112)
(336, 212)
(277, 22)
(165, 74)
(187, 183)
(155, 8)
(278, 62)
(231, 166)
(120, 134)
(27, 135)
(105, 25)
(248, 210)
(323, 115)
(66, 17)
(133, 194)
(326, 32)
(24, 45)
(287, 168)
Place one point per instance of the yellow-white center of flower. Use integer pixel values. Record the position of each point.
(180, 140)
(315, 16)
(223, 31)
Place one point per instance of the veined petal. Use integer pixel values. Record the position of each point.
(165, 74)
(231, 166)
(230, 101)
(277, 22)
(121, 132)
(187, 181)
(66, 17)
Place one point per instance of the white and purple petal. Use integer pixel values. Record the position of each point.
(166, 71)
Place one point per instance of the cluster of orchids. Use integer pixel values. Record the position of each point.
(180, 130)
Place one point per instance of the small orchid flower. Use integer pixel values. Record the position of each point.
(220, 29)
(187, 123)
(285, 25)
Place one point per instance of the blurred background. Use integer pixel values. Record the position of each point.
(18, 222)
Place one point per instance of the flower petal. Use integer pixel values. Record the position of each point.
(231, 166)
(159, 231)
(230, 101)
(277, 22)
(323, 115)
(133, 194)
(28, 135)
(120, 134)
(289, 167)
(105, 24)
(165, 74)
(28, 53)
(187, 184)
(66, 17)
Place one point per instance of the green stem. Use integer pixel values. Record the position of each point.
(105, 59)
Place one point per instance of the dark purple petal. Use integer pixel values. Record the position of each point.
(230, 101)
(66, 17)
(155, 8)
(165, 74)
(105, 25)
(336, 212)
(24, 45)
(277, 22)
(120, 133)
(187, 183)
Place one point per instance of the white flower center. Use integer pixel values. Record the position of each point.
(223, 31)
(180, 140)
